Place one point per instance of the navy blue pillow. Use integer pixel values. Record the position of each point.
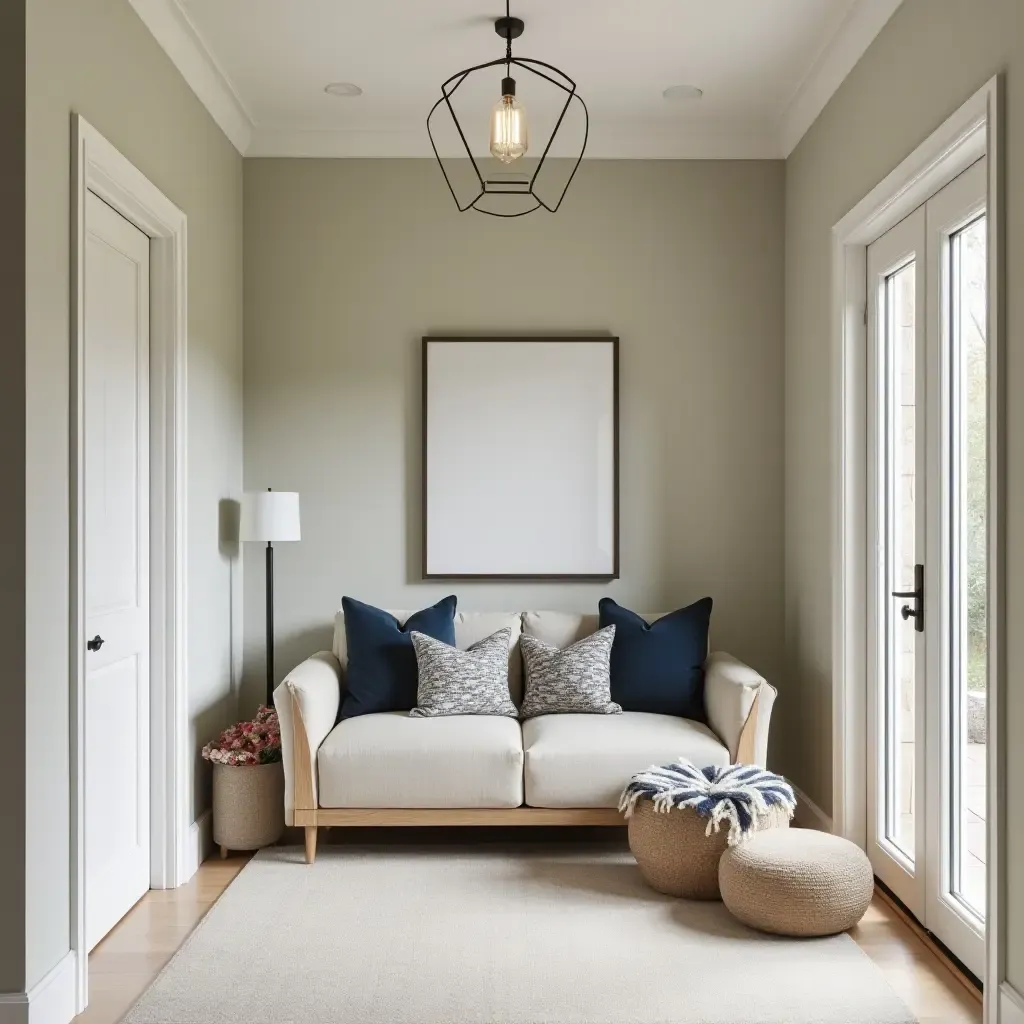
(659, 667)
(382, 674)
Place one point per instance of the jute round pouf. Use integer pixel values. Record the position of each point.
(674, 854)
(796, 882)
(248, 805)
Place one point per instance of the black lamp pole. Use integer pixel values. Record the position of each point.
(270, 623)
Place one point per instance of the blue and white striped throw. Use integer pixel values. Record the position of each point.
(741, 795)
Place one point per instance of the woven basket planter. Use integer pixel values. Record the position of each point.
(674, 854)
(248, 806)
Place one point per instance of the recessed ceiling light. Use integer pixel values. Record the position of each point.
(683, 92)
(343, 89)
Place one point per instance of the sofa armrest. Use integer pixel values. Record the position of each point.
(738, 703)
(307, 706)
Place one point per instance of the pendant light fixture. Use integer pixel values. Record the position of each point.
(509, 138)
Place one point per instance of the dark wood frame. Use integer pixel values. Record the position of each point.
(562, 577)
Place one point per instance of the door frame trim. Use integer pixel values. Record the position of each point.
(973, 131)
(101, 169)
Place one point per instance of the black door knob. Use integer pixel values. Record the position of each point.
(95, 643)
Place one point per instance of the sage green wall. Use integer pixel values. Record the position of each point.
(12, 468)
(349, 262)
(97, 58)
(926, 62)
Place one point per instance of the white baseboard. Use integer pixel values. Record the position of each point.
(200, 843)
(50, 1001)
(809, 814)
(1011, 1005)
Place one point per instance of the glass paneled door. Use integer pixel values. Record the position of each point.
(927, 572)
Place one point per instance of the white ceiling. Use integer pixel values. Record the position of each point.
(767, 67)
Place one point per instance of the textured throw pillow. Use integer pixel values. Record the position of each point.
(381, 673)
(659, 666)
(471, 682)
(574, 680)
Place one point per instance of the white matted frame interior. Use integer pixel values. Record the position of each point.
(99, 168)
(520, 458)
(972, 132)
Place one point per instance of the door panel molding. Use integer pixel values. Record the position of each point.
(99, 168)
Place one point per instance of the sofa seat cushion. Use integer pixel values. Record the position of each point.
(392, 760)
(586, 760)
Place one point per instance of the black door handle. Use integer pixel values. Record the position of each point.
(917, 612)
(95, 643)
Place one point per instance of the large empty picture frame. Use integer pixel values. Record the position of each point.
(520, 458)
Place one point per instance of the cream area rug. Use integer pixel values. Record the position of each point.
(495, 934)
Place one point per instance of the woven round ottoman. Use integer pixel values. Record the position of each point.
(682, 818)
(674, 853)
(796, 882)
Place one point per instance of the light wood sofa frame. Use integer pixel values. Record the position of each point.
(310, 817)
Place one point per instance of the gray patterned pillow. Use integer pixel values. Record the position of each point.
(577, 679)
(454, 682)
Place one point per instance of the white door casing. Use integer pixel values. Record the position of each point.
(974, 130)
(116, 526)
(175, 843)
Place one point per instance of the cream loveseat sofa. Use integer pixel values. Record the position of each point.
(391, 769)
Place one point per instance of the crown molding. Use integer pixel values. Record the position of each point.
(854, 32)
(676, 141)
(173, 29)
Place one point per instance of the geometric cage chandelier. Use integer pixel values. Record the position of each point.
(508, 126)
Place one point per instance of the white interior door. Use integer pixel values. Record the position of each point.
(116, 488)
(927, 573)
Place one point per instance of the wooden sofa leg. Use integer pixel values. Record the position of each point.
(310, 843)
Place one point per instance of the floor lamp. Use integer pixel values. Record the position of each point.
(269, 516)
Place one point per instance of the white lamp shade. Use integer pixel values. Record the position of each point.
(270, 516)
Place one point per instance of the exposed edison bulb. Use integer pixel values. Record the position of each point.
(508, 125)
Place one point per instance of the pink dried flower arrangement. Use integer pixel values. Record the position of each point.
(246, 743)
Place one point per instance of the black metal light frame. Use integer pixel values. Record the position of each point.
(510, 28)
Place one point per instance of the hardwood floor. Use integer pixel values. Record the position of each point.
(124, 964)
(130, 957)
(922, 979)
